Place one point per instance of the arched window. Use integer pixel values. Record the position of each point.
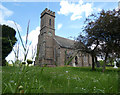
(49, 21)
(85, 58)
(76, 60)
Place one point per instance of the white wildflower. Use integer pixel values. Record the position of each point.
(12, 81)
(15, 83)
(68, 77)
(66, 71)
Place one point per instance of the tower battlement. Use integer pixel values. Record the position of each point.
(49, 12)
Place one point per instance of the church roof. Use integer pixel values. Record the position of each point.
(64, 42)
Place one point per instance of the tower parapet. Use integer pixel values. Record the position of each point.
(49, 12)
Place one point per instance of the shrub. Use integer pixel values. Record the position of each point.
(8, 33)
(101, 62)
(29, 61)
(23, 63)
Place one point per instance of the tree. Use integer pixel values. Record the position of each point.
(8, 34)
(84, 43)
(102, 31)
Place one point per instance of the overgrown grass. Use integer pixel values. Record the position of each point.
(61, 80)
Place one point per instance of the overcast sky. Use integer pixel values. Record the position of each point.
(70, 17)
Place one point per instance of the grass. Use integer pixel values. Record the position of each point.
(60, 80)
(0, 80)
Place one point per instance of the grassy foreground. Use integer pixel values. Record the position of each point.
(60, 80)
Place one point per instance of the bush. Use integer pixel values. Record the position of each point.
(101, 62)
(24, 63)
(118, 64)
(29, 61)
(8, 41)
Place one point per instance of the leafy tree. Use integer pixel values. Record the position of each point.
(8, 34)
(84, 43)
(102, 31)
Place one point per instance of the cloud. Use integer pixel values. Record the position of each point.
(33, 38)
(75, 9)
(5, 13)
(99, 9)
(59, 26)
(12, 24)
(65, 8)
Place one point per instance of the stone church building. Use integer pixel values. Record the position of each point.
(54, 50)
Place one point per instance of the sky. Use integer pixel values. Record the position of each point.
(69, 18)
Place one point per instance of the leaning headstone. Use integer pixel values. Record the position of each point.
(74, 65)
(98, 64)
(115, 65)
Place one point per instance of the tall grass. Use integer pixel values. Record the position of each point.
(25, 46)
(19, 76)
(64, 80)
(25, 79)
(0, 79)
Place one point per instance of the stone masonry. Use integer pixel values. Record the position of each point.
(54, 50)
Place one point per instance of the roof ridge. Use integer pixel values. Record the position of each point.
(63, 42)
(64, 38)
(57, 41)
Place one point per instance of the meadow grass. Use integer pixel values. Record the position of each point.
(0, 80)
(60, 80)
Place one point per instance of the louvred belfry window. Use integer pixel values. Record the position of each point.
(49, 21)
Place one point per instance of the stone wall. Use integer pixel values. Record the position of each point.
(49, 51)
(82, 59)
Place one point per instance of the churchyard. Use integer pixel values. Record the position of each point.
(36, 79)
(22, 78)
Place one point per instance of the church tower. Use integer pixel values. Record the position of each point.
(45, 47)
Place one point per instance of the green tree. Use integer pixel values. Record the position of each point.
(8, 34)
(102, 31)
(84, 43)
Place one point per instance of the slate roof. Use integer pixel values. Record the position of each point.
(64, 42)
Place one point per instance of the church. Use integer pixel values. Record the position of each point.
(53, 50)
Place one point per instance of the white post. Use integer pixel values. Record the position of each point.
(74, 65)
(115, 65)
